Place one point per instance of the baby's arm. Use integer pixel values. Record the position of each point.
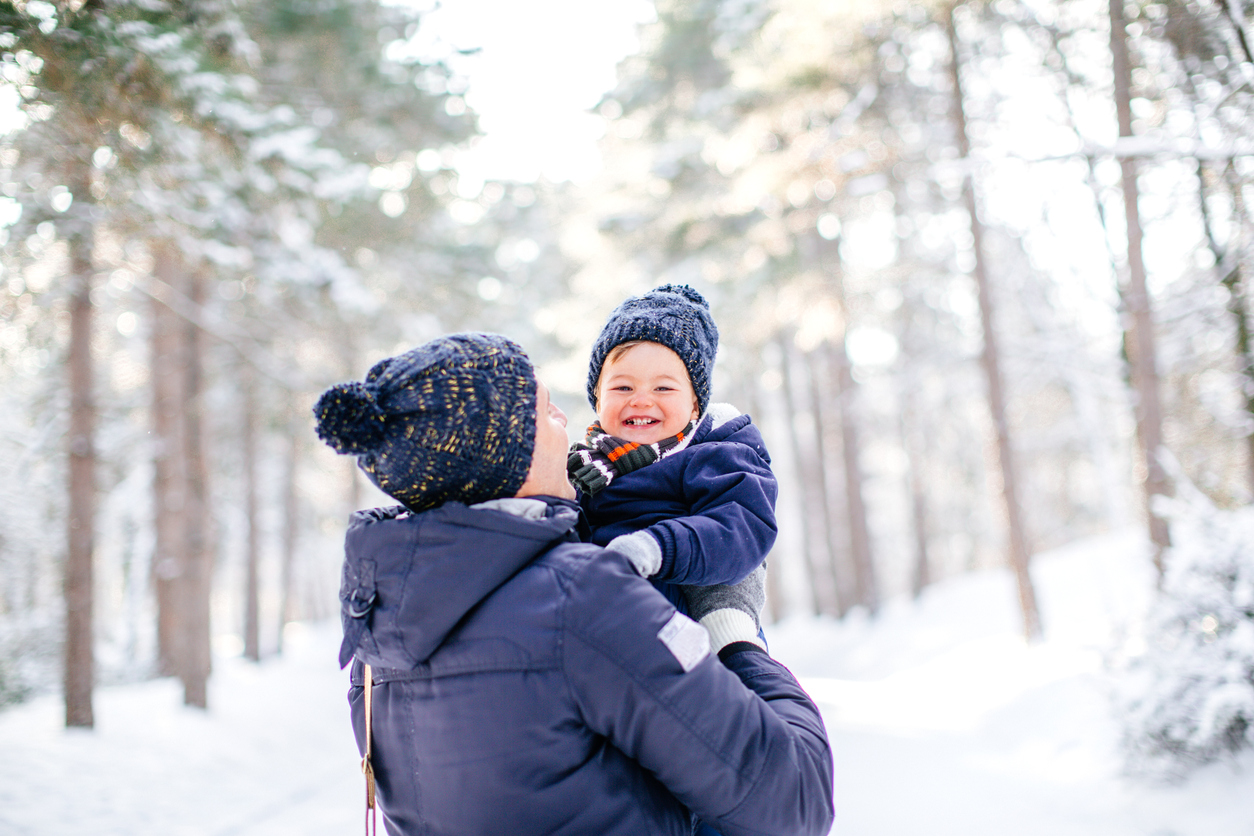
(731, 491)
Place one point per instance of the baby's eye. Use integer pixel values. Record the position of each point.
(620, 388)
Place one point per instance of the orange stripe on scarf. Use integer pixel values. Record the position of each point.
(619, 452)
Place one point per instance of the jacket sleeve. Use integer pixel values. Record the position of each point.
(731, 491)
(738, 741)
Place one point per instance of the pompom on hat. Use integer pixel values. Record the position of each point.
(675, 316)
(451, 420)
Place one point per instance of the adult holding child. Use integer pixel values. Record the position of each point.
(525, 682)
(681, 486)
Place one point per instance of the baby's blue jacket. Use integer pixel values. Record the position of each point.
(711, 506)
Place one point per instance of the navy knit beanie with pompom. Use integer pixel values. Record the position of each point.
(675, 316)
(451, 420)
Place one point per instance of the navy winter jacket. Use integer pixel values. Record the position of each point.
(526, 683)
(711, 506)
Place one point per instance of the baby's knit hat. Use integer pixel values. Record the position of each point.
(453, 419)
(675, 316)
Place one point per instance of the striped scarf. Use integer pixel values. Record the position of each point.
(594, 462)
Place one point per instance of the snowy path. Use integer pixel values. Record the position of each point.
(1042, 761)
(942, 720)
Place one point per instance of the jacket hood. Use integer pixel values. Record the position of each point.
(720, 422)
(409, 578)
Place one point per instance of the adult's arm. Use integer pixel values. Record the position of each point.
(735, 739)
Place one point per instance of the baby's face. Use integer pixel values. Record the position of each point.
(645, 394)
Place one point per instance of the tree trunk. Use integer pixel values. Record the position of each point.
(823, 587)
(252, 557)
(1229, 269)
(1086, 406)
(1019, 551)
(349, 353)
(79, 658)
(291, 526)
(864, 589)
(866, 585)
(1240, 310)
(826, 521)
(921, 574)
(169, 488)
(1142, 353)
(912, 438)
(198, 571)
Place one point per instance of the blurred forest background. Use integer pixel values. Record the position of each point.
(980, 271)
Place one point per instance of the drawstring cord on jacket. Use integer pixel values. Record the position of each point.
(372, 825)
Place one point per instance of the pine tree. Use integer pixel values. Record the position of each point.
(1190, 698)
(91, 76)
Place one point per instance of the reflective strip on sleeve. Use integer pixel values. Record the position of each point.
(687, 640)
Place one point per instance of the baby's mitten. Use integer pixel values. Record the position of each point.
(641, 549)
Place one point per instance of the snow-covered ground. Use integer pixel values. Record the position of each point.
(942, 719)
